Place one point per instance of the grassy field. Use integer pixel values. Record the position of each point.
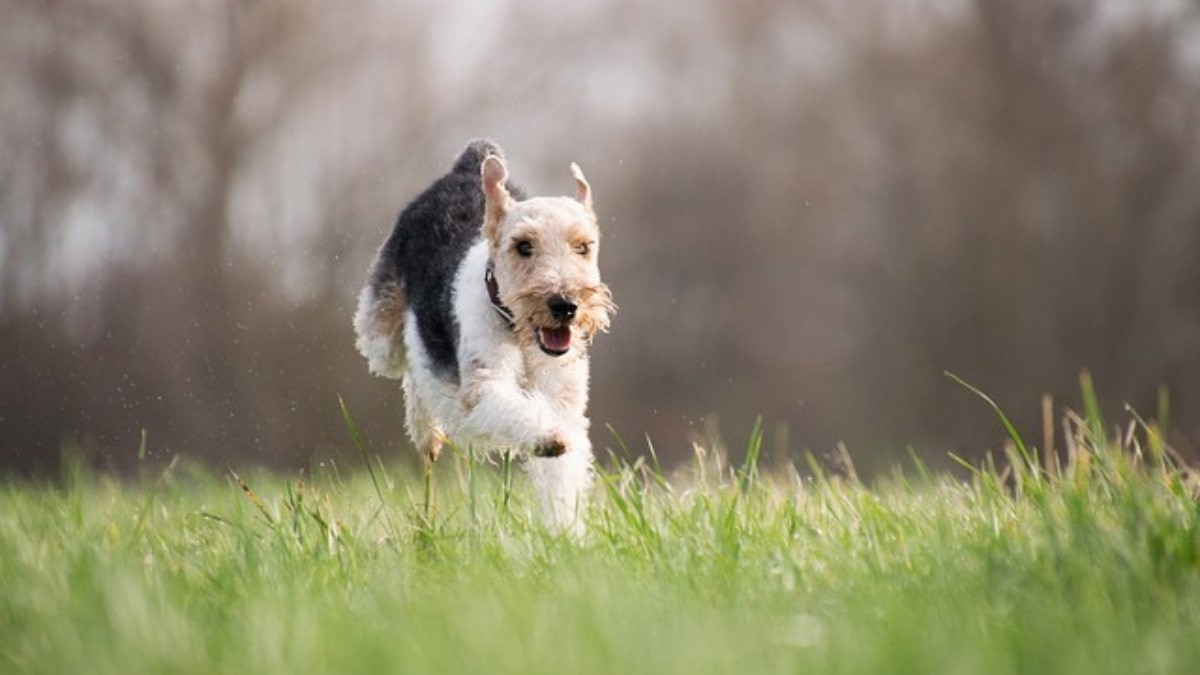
(1092, 567)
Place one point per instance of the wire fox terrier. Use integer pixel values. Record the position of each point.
(484, 303)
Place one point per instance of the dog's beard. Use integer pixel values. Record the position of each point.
(537, 326)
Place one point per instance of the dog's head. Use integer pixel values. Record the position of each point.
(544, 251)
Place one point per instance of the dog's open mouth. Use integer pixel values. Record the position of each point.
(555, 341)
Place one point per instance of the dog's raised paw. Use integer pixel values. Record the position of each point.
(550, 448)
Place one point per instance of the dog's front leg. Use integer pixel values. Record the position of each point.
(561, 466)
(501, 411)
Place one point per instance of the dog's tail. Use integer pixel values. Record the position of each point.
(473, 155)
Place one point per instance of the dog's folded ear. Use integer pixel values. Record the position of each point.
(494, 174)
(583, 191)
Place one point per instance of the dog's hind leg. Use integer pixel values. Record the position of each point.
(427, 435)
(425, 431)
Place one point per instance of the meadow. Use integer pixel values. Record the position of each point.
(1090, 564)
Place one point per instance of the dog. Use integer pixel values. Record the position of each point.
(484, 303)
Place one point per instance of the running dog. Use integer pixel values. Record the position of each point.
(483, 303)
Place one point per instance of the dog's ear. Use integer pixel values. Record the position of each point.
(583, 191)
(494, 175)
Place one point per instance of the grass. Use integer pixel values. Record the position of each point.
(1088, 566)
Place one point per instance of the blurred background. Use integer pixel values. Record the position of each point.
(811, 209)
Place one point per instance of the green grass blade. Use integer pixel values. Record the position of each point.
(748, 473)
(360, 444)
(1091, 406)
(1013, 434)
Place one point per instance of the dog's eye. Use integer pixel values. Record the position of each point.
(582, 249)
(524, 249)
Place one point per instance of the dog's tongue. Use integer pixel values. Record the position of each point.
(557, 339)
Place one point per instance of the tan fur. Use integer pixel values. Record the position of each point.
(388, 319)
(379, 328)
(494, 174)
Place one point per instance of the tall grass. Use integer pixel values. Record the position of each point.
(1090, 564)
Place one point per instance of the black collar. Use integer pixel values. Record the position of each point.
(493, 289)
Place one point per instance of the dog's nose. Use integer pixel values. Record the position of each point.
(561, 308)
